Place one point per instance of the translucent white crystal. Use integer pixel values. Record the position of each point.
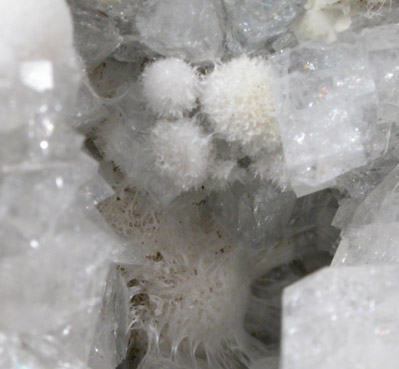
(382, 45)
(118, 142)
(31, 303)
(258, 213)
(189, 29)
(37, 75)
(370, 244)
(32, 200)
(372, 236)
(96, 34)
(344, 213)
(31, 64)
(90, 108)
(111, 336)
(342, 318)
(35, 353)
(254, 21)
(321, 119)
(361, 181)
(52, 278)
(381, 205)
(327, 146)
(380, 38)
(47, 35)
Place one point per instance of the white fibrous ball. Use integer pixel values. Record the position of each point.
(238, 98)
(170, 87)
(182, 152)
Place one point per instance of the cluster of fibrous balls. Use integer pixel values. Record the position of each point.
(236, 102)
(192, 294)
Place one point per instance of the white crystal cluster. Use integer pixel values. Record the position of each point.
(171, 172)
(57, 253)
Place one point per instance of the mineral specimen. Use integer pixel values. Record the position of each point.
(168, 168)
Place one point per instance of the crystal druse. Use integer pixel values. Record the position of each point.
(199, 184)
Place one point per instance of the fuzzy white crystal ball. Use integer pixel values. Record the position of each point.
(170, 87)
(182, 152)
(238, 98)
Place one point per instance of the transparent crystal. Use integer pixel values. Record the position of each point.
(257, 214)
(96, 33)
(381, 43)
(32, 352)
(370, 244)
(324, 94)
(111, 336)
(189, 29)
(253, 21)
(342, 318)
(372, 236)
